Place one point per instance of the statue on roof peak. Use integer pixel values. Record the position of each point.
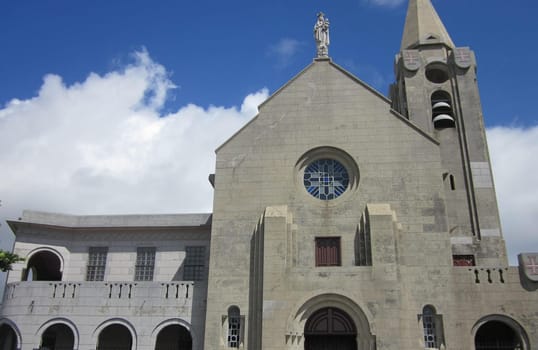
(321, 34)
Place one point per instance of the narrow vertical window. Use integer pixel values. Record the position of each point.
(328, 251)
(234, 327)
(145, 263)
(433, 328)
(363, 244)
(96, 263)
(452, 183)
(194, 265)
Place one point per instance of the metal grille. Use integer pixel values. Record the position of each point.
(96, 263)
(194, 266)
(328, 251)
(234, 329)
(430, 331)
(145, 263)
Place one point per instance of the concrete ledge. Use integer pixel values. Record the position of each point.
(86, 221)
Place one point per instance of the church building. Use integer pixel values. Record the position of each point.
(342, 219)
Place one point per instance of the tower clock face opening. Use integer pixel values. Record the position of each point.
(326, 179)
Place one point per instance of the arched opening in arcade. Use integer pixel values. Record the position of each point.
(497, 335)
(115, 337)
(8, 338)
(330, 329)
(174, 337)
(43, 266)
(58, 337)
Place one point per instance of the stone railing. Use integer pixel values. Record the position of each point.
(484, 275)
(35, 294)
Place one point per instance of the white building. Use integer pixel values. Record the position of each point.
(123, 282)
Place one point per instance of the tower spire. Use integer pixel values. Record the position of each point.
(423, 26)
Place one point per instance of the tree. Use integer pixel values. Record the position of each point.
(7, 259)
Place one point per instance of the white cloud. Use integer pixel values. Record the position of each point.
(513, 154)
(102, 146)
(386, 3)
(285, 50)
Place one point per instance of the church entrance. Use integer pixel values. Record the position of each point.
(496, 335)
(330, 329)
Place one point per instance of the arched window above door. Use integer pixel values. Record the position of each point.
(330, 328)
(330, 321)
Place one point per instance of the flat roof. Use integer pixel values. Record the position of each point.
(30, 217)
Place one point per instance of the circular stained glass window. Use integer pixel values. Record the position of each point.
(326, 179)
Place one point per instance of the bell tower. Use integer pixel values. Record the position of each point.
(436, 89)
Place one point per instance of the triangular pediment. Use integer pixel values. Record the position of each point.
(337, 68)
(325, 94)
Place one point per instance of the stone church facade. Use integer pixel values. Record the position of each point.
(342, 219)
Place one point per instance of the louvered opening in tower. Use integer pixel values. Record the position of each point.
(442, 112)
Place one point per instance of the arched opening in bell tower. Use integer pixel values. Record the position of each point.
(442, 110)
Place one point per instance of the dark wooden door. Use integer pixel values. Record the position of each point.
(330, 329)
(330, 342)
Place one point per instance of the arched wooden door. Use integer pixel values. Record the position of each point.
(330, 329)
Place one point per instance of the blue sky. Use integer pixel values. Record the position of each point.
(219, 51)
(117, 106)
